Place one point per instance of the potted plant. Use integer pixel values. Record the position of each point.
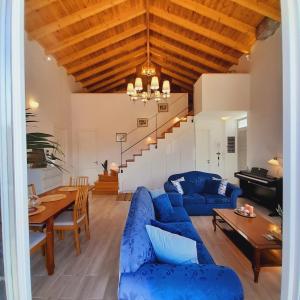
(41, 147)
(105, 167)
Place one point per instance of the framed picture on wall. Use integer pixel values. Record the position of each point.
(142, 122)
(163, 107)
(121, 137)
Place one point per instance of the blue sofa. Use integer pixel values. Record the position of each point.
(142, 277)
(198, 202)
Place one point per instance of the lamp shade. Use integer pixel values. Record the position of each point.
(130, 89)
(154, 83)
(138, 84)
(166, 86)
(273, 162)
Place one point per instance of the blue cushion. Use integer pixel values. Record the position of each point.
(175, 199)
(194, 199)
(203, 255)
(172, 248)
(211, 186)
(136, 245)
(189, 187)
(185, 229)
(179, 215)
(163, 206)
(216, 199)
(157, 192)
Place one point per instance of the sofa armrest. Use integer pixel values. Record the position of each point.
(176, 199)
(193, 282)
(170, 188)
(233, 192)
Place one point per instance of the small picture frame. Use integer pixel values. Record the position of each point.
(163, 107)
(142, 122)
(121, 137)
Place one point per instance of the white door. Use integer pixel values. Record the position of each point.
(87, 154)
(203, 159)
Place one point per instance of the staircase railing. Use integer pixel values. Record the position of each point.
(152, 136)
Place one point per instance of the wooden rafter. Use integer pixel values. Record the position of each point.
(112, 80)
(176, 69)
(168, 46)
(107, 55)
(193, 43)
(32, 5)
(112, 86)
(102, 68)
(261, 8)
(105, 43)
(73, 18)
(176, 76)
(125, 17)
(182, 85)
(199, 29)
(217, 16)
(173, 59)
(113, 72)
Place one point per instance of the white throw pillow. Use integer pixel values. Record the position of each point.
(222, 187)
(172, 248)
(177, 184)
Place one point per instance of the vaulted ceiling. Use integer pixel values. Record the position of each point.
(102, 43)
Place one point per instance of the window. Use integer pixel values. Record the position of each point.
(242, 123)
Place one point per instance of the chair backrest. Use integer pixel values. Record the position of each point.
(80, 203)
(31, 190)
(79, 181)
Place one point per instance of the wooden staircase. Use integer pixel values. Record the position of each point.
(154, 144)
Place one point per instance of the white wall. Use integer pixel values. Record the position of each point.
(51, 87)
(174, 154)
(265, 115)
(222, 92)
(98, 117)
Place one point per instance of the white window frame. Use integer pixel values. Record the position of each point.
(13, 173)
(290, 14)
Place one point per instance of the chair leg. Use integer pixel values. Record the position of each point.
(87, 229)
(43, 250)
(77, 242)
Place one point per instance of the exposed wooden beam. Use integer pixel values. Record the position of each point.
(105, 43)
(173, 59)
(174, 68)
(107, 55)
(114, 85)
(122, 59)
(193, 43)
(210, 34)
(32, 5)
(176, 76)
(103, 84)
(183, 85)
(169, 47)
(261, 8)
(217, 16)
(123, 18)
(113, 72)
(73, 18)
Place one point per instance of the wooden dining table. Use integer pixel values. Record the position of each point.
(47, 217)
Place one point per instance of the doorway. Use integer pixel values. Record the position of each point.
(242, 143)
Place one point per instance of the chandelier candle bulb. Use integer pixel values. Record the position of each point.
(138, 84)
(154, 83)
(166, 86)
(130, 89)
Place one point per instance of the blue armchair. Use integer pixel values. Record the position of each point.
(199, 201)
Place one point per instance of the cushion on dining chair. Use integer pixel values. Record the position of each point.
(66, 219)
(35, 238)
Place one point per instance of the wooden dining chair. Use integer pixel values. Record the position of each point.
(73, 220)
(79, 181)
(37, 240)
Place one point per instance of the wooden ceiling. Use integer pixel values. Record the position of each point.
(102, 43)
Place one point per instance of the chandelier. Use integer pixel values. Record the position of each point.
(152, 92)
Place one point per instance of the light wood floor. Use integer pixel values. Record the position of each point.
(94, 274)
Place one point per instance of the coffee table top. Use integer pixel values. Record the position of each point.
(252, 229)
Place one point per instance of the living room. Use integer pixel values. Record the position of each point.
(162, 163)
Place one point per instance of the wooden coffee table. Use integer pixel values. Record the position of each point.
(248, 235)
